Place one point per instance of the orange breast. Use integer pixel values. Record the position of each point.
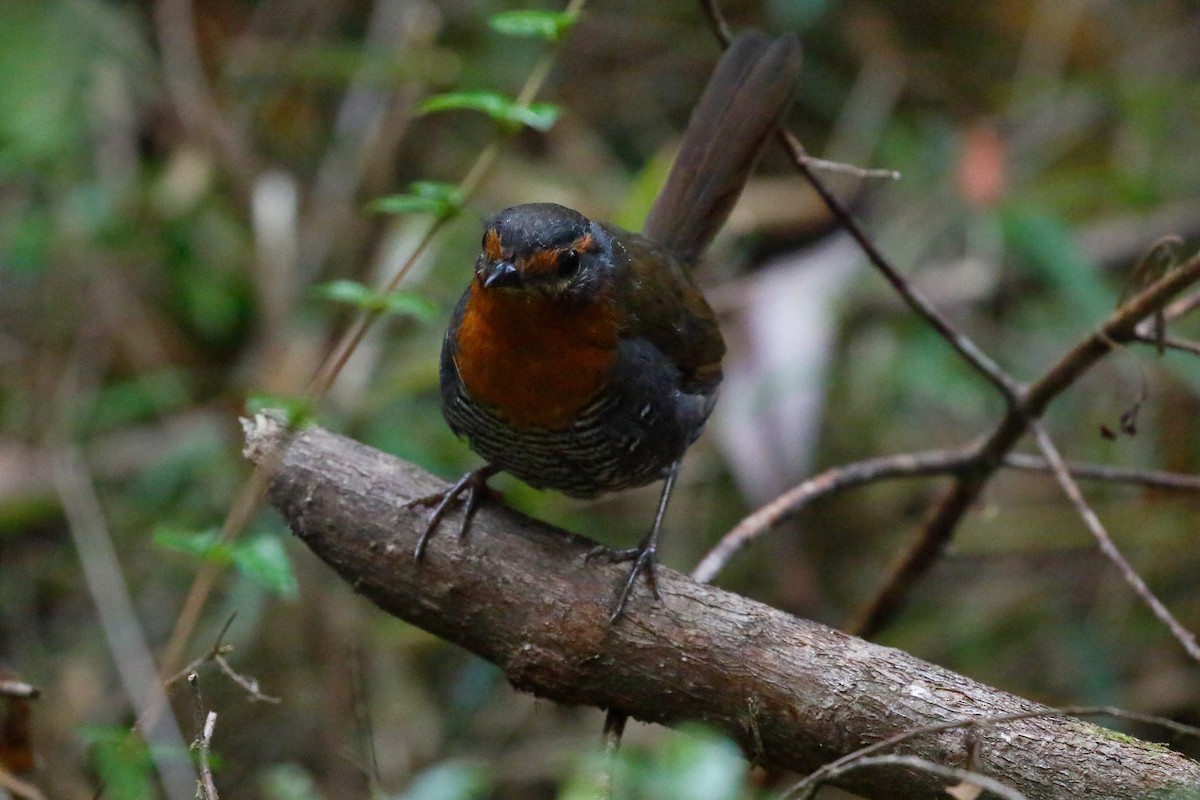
(535, 359)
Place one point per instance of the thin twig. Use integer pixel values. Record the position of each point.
(249, 684)
(1170, 343)
(825, 165)
(202, 744)
(960, 342)
(218, 647)
(906, 465)
(217, 655)
(1182, 306)
(208, 787)
(810, 782)
(1156, 479)
(1107, 547)
(924, 765)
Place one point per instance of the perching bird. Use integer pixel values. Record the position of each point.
(582, 357)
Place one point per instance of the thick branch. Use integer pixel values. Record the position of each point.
(794, 693)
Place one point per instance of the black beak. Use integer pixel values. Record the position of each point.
(501, 274)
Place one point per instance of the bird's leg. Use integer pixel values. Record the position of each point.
(645, 555)
(474, 483)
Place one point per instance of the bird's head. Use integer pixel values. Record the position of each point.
(545, 249)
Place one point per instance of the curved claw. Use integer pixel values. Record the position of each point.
(644, 556)
(645, 560)
(474, 484)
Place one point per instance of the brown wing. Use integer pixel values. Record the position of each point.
(664, 307)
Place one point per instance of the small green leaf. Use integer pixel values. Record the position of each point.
(410, 305)
(539, 116)
(264, 559)
(493, 104)
(297, 411)
(347, 291)
(122, 759)
(549, 25)
(442, 200)
(505, 110)
(368, 299)
(205, 544)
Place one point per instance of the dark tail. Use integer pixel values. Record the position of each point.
(750, 89)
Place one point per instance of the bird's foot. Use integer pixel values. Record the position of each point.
(471, 486)
(645, 561)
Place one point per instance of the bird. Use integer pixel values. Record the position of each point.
(583, 357)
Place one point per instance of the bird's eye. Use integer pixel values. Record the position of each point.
(568, 263)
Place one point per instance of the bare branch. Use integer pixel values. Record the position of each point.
(906, 465)
(1110, 551)
(816, 778)
(923, 765)
(1170, 343)
(927, 548)
(1155, 479)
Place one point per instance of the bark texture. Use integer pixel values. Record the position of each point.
(794, 693)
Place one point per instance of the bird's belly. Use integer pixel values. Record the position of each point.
(595, 454)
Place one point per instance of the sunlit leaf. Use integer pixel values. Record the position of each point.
(368, 299)
(204, 544)
(539, 116)
(442, 200)
(297, 411)
(122, 759)
(549, 25)
(264, 559)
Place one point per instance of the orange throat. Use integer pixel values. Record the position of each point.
(537, 360)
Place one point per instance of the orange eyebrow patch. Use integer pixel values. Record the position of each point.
(491, 245)
(544, 262)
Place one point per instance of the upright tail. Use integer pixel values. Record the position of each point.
(747, 95)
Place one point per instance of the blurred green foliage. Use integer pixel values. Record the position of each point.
(166, 265)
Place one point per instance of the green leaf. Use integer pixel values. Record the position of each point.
(505, 110)
(206, 545)
(264, 559)
(539, 116)
(372, 300)
(549, 25)
(122, 760)
(410, 305)
(442, 200)
(349, 292)
(297, 411)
